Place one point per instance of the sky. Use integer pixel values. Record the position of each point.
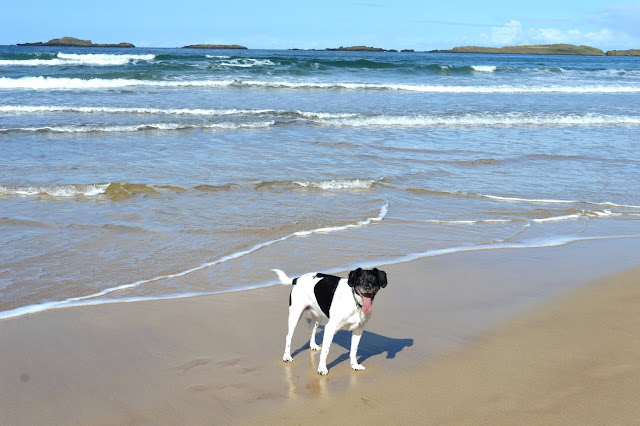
(284, 24)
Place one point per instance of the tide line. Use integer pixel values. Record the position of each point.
(82, 300)
(77, 302)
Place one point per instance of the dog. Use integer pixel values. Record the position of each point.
(343, 303)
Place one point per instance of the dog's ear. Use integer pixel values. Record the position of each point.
(382, 277)
(353, 276)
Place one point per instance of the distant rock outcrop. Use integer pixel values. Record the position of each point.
(214, 46)
(74, 42)
(629, 52)
(359, 49)
(540, 49)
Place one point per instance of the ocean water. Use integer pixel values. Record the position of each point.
(130, 174)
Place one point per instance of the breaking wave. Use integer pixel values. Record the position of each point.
(123, 190)
(64, 83)
(65, 59)
(139, 127)
(342, 119)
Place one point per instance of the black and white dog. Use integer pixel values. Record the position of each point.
(343, 303)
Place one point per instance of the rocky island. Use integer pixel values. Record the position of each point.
(214, 46)
(358, 49)
(74, 42)
(629, 52)
(539, 49)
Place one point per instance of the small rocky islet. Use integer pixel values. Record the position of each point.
(542, 49)
(74, 42)
(215, 46)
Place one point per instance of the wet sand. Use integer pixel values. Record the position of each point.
(504, 336)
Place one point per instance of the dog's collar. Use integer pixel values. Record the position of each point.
(353, 289)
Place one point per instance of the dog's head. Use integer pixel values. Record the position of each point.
(366, 284)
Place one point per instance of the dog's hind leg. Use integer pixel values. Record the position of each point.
(315, 321)
(294, 317)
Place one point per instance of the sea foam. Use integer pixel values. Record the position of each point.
(67, 59)
(64, 83)
(55, 190)
(339, 184)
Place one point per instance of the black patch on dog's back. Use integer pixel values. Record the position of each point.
(324, 291)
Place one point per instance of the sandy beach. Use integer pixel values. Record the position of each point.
(528, 336)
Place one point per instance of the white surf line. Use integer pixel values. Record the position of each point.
(133, 110)
(140, 127)
(66, 83)
(552, 201)
(529, 200)
(560, 218)
(557, 242)
(74, 301)
(48, 306)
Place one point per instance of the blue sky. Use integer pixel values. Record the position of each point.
(282, 24)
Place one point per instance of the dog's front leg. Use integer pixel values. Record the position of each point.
(355, 341)
(329, 331)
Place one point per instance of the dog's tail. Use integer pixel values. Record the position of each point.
(283, 277)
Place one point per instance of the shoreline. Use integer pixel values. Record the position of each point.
(212, 358)
(94, 299)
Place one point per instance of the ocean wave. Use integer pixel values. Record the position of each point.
(484, 68)
(66, 59)
(85, 300)
(247, 63)
(343, 119)
(63, 191)
(527, 200)
(511, 199)
(27, 109)
(63, 83)
(485, 119)
(140, 127)
(339, 184)
(117, 191)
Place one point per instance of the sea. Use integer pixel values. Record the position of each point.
(148, 173)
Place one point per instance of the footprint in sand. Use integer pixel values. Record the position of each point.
(192, 364)
(229, 362)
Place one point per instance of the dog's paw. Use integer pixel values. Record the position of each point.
(287, 358)
(323, 371)
(357, 367)
(315, 347)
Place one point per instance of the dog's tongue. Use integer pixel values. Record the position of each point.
(366, 304)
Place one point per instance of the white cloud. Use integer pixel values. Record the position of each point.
(573, 36)
(508, 34)
(514, 33)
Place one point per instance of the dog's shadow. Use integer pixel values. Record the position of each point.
(372, 344)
